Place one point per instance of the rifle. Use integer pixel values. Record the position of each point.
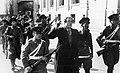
(107, 42)
(47, 28)
(37, 62)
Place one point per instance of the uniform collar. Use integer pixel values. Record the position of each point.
(37, 41)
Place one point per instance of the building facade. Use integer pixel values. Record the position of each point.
(12, 7)
(64, 8)
(15, 7)
(78, 8)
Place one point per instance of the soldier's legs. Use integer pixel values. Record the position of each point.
(87, 70)
(87, 64)
(78, 64)
(12, 63)
(110, 69)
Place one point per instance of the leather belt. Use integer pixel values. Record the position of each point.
(35, 57)
(84, 56)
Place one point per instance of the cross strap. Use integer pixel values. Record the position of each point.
(113, 33)
(35, 51)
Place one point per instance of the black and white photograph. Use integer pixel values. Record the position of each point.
(59, 36)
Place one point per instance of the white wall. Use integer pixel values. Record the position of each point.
(2, 7)
(78, 9)
(15, 7)
(97, 12)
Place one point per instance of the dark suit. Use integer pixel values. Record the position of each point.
(67, 52)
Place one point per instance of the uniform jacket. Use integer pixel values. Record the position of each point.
(111, 56)
(85, 44)
(32, 44)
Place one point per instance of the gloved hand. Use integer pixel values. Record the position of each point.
(44, 58)
(28, 69)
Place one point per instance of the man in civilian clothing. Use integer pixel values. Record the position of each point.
(66, 54)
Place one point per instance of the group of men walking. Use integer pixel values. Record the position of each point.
(13, 36)
(74, 47)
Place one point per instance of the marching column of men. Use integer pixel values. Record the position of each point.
(74, 47)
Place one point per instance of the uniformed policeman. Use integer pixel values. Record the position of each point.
(35, 50)
(111, 50)
(85, 47)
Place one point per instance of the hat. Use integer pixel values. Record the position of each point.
(37, 29)
(42, 16)
(85, 19)
(6, 21)
(113, 17)
(38, 15)
(13, 19)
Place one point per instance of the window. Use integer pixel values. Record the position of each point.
(61, 2)
(73, 16)
(51, 3)
(75, 1)
(44, 3)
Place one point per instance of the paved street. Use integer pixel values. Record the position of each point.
(98, 66)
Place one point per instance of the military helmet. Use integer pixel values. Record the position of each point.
(114, 17)
(37, 29)
(42, 17)
(86, 19)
